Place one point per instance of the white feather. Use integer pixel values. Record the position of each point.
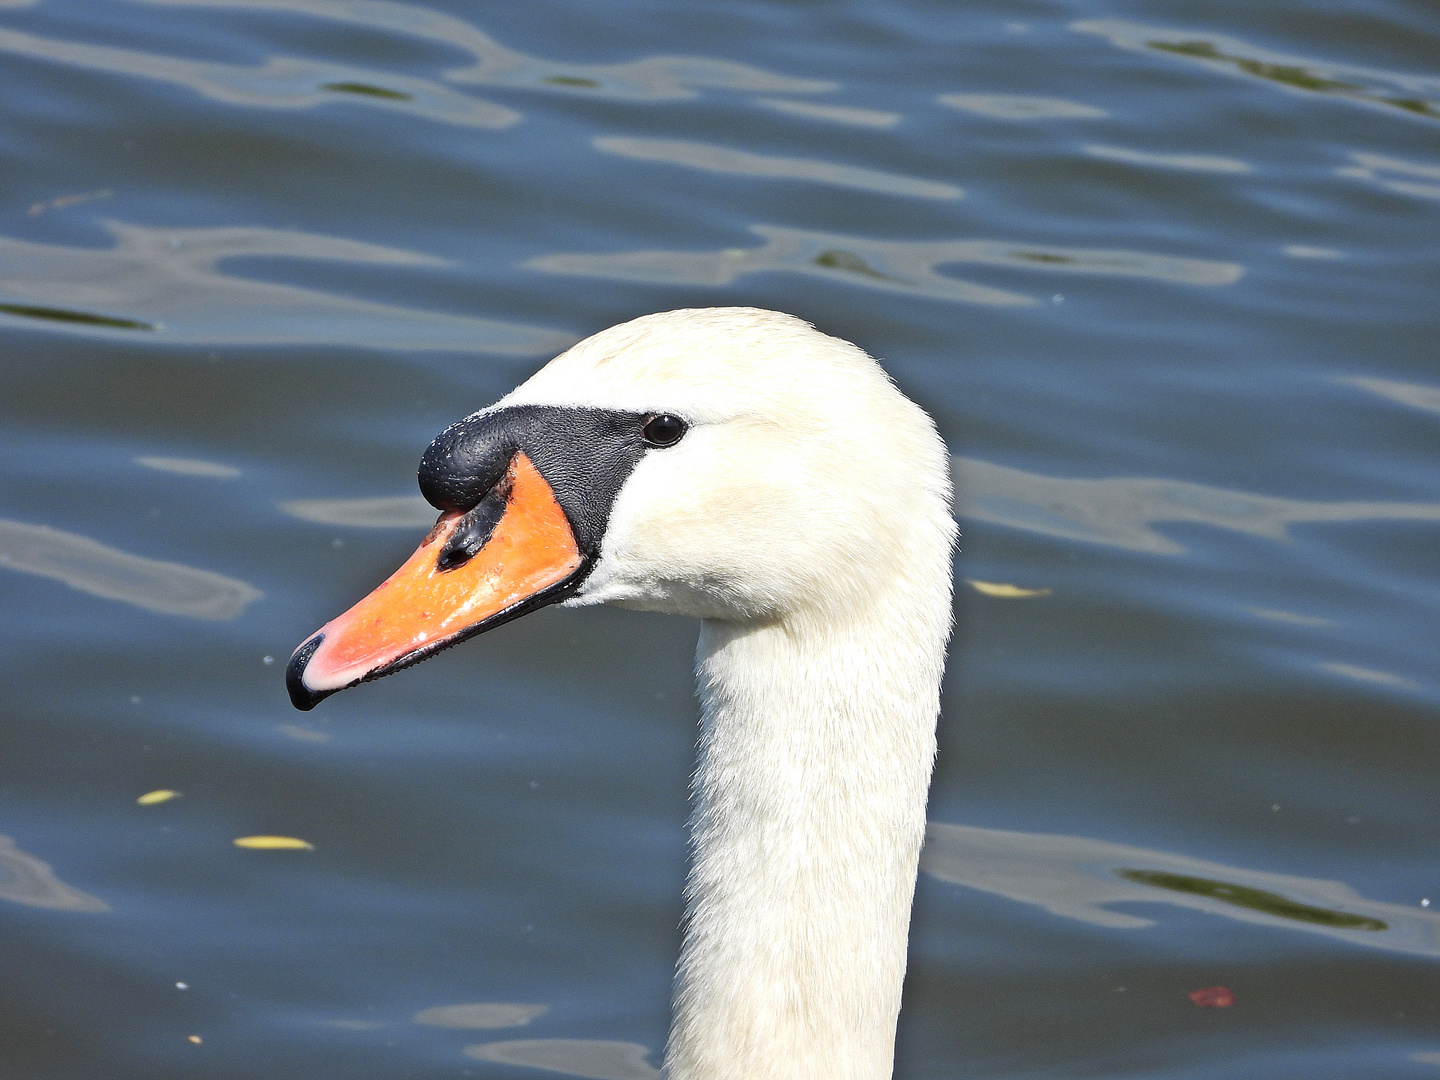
(805, 516)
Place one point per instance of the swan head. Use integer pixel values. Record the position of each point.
(728, 464)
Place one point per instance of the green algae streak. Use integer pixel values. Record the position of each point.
(1255, 899)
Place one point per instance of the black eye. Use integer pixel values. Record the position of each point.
(663, 430)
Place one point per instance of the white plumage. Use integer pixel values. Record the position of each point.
(805, 517)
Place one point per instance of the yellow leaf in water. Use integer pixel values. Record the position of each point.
(150, 798)
(1009, 592)
(271, 843)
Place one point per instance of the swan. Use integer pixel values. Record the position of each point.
(737, 466)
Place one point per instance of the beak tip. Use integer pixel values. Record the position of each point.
(301, 696)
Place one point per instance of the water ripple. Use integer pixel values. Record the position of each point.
(282, 82)
(1416, 96)
(1115, 511)
(595, 1059)
(90, 566)
(189, 467)
(723, 159)
(907, 266)
(1415, 395)
(1021, 107)
(655, 78)
(24, 879)
(832, 114)
(480, 1014)
(167, 281)
(1417, 178)
(1191, 162)
(1078, 878)
(1118, 511)
(383, 512)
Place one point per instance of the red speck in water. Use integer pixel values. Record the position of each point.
(1213, 997)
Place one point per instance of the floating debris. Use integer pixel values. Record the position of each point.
(274, 843)
(152, 798)
(367, 90)
(1256, 899)
(1213, 997)
(68, 315)
(1000, 589)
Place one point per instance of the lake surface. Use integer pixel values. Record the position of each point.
(1164, 272)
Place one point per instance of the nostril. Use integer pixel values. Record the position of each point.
(475, 529)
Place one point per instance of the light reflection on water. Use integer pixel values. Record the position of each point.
(1190, 162)
(168, 282)
(907, 266)
(166, 588)
(655, 78)
(1416, 395)
(1417, 178)
(282, 82)
(1118, 511)
(1369, 675)
(210, 470)
(1079, 878)
(594, 1059)
(832, 114)
(722, 159)
(480, 1014)
(382, 512)
(1021, 107)
(1396, 92)
(24, 879)
(1113, 511)
(497, 828)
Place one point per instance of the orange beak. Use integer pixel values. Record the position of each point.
(446, 592)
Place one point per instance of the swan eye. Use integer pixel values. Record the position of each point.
(663, 430)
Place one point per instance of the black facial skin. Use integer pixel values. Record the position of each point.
(585, 455)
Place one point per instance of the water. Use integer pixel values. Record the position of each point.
(1164, 272)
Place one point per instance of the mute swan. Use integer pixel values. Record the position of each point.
(737, 466)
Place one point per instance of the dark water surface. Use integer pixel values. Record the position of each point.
(1166, 273)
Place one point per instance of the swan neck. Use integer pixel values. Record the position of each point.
(816, 748)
